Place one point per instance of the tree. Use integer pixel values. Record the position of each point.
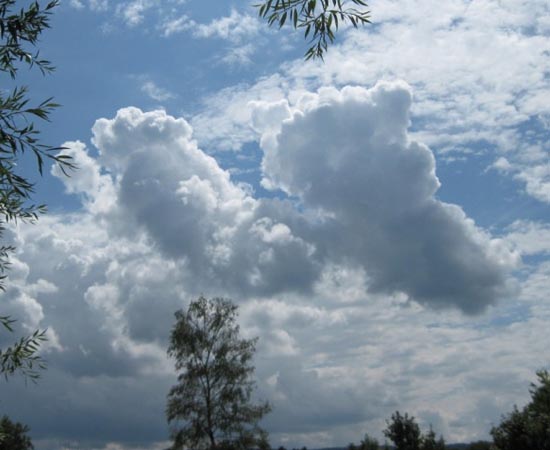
(404, 432)
(429, 441)
(369, 443)
(528, 429)
(19, 34)
(320, 19)
(13, 436)
(211, 404)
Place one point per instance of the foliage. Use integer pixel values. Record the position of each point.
(367, 443)
(22, 356)
(404, 432)
(19, 34)
(429, 441)
(211, 404)
(13, 436)
(528, 429)
(320, 19)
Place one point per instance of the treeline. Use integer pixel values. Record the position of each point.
(403, 432)
(525, 429)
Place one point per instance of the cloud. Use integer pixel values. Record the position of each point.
(99, 5)
(95, 189)
(155, 92)
(77, 4)
(239, 29)
(93, 5)
(239, 55)
(530, 167)
(236, 27)
(191, 209)
(175, 26)
(530, 238)
(228, 113)
(537, 180)
(501, 164)
(133, 12)
(348, 155)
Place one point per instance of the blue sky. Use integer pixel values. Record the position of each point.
(381, 218)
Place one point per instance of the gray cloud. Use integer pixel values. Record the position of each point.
(348, 155)
(373, 188)
(192, 210)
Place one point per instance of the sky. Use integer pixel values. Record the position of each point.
(381, 218)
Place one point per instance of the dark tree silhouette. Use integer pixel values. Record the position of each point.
(404, 432)
(13, 435)
(430, 442)
(529, 428)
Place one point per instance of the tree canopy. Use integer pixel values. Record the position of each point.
(211, 406)
(13, 435)
(403, 431)
(529, 428)
(367, 443)
(405, 434)
(430, 441)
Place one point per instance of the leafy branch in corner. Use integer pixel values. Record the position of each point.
(22, 356)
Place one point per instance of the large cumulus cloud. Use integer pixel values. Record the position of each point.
(191, 209)
(347, 154)
(359, 192)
